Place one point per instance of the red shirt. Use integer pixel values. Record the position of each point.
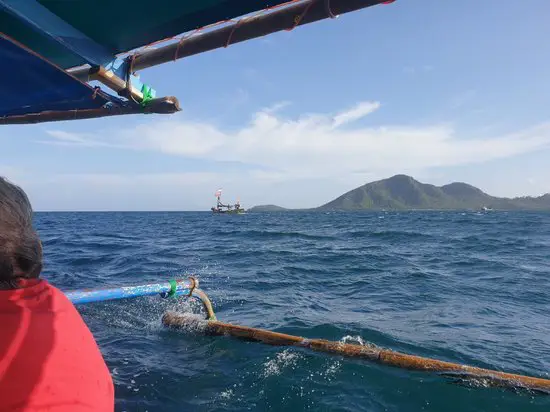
(49, 360)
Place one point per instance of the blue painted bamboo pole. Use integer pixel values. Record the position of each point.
(169, 288)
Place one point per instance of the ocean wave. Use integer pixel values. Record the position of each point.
(457, 287)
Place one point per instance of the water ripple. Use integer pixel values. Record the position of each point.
(463, 287)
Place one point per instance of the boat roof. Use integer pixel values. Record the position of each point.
(45, 44)
(119, 25)
(36, 84)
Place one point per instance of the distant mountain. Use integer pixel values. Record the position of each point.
(267, 208)
(402, 192)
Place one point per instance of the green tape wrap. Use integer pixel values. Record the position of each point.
(173, 288)
(147, 95)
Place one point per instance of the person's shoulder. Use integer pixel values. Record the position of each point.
(58, 301)
(51, 288)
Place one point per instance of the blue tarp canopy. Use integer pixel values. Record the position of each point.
(119, 25)
(31, 84)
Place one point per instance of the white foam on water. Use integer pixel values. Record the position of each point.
(356, 340)
(227, 394)
(331, 370)
(282, 360)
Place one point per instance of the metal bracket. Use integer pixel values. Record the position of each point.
(119, 67)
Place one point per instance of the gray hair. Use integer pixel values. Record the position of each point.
(20, 246)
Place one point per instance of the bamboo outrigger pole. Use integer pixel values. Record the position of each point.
(368, 352)
(284, 18)
(175, 287)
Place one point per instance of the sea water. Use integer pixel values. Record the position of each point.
(464, 287)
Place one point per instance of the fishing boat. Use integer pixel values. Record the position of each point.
(235, 209)
(74, 60)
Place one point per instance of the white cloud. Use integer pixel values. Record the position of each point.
(300, 162)
(62, 138)
(144, 179)
(310, 146)
(359, 111)
(277, 106)
(113, 191)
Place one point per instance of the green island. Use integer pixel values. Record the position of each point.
(402, 192)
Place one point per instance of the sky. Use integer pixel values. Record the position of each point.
(443, 91)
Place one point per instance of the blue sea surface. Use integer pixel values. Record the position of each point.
(464, 287)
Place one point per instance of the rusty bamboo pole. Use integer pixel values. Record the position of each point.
(367, 352)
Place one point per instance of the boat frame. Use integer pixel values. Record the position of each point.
(118, 72)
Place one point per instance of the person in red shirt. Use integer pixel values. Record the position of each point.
(49, 359)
